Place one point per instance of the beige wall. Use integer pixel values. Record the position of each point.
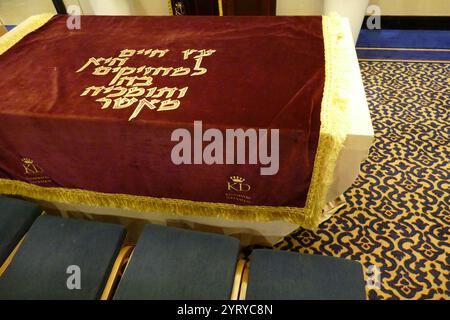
(388, 7)
(133, 7)
(413, 7)
(296, 7)
(114, 7)
(15, 11)
(153, 7)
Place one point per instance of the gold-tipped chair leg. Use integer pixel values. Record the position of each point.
(244, 281)
(11, 256)
(116, 272)
(240, 266)
(8, 260)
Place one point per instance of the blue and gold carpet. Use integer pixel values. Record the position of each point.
(396, 221)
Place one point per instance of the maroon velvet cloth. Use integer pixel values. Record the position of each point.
(266, 72)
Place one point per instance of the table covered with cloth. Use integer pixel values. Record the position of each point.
(238, 118)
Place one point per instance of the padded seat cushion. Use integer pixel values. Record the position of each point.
(280, 275)
(16, 217)
(39, 269)
(170, 263)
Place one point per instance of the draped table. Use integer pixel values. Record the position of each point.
(89, 119)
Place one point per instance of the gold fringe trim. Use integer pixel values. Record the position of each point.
(19, 32)
(334, 127)
(335, 118)
(170, 7)
(148, 204)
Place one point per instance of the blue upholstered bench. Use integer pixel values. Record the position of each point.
(16, 217)
(40, 268)
(280, 275)
(172, 263)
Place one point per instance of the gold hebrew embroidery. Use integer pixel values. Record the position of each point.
(131, 86)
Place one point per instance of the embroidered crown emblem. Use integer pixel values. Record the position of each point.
(27, 161)
(237, 179)
(237, 184)
(30, 167)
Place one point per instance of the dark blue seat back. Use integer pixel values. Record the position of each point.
(39, 270)
(16, 217)
(280, 275)
(170, 263)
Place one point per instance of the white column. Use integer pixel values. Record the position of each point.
(354, 10)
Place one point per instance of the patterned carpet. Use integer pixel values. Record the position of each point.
(397, 218)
